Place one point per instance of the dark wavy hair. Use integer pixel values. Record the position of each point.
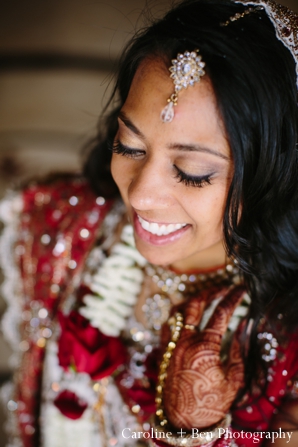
(254, 80)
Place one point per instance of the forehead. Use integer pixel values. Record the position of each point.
(196, 116)
(153, 75)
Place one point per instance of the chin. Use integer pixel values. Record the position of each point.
(155, 256)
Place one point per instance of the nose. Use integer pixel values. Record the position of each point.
(150, 186)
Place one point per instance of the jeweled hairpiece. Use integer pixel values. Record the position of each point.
(240, 15)
(284, 20)
(186, 70)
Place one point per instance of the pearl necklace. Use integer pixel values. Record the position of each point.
(171, 282)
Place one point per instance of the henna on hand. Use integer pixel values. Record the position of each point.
(199, 389)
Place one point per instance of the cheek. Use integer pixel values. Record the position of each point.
(116, 169)
(208, 207)
(121, 174)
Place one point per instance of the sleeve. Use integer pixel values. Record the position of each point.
(49, 231)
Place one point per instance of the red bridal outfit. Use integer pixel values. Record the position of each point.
(85, 367)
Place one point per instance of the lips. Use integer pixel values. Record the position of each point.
(158, 233)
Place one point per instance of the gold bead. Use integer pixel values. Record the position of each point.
(162, 377)
(41, 342)
(163, 367)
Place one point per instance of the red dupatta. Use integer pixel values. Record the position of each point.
(58, 227)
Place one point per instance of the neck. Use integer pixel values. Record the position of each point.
(212, 257)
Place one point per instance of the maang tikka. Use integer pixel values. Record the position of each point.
(186, 70)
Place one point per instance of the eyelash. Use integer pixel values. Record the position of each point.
(190, 180)
(118, 148)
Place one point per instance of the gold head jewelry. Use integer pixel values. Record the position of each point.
(284, 20)
(240, 15)
(186, 70)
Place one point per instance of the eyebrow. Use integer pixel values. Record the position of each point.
(176, 146)
(197, 148)
(124, 118)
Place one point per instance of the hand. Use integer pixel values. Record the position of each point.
(199, 389)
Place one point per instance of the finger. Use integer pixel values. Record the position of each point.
(235, 350)
(223, 312)
(235, 357)
(235, 363)
(194, 309)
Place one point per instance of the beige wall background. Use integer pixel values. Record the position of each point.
(56, 64)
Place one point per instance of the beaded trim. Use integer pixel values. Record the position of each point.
(176, 325)
(285, 23)
(240, 15)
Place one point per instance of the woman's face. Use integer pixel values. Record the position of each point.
(173, 177)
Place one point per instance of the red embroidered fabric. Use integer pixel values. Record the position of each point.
(58, 227)
(255, 416)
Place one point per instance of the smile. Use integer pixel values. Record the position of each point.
(160, 229)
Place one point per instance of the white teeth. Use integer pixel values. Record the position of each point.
(160, 230)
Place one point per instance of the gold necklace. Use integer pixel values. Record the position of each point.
(157, 307)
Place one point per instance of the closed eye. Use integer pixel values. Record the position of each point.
(118, 148)
(191, 180)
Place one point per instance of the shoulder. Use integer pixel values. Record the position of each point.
(60, 200)
(61, 215)
(59, 208)
(60, 190)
